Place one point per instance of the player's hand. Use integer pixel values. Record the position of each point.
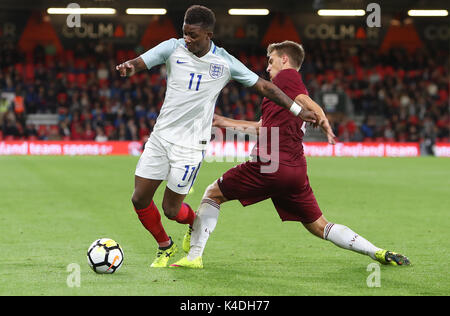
(126, 69)
(218, 121)
(308, 116)
(326, 128)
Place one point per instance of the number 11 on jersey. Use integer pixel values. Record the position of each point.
(199, 78)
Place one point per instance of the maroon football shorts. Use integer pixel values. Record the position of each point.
(288, 188)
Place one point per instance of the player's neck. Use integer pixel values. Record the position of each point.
(204, 52)
(287, 66)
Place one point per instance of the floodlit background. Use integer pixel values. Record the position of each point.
(381, 75)
(379, 70)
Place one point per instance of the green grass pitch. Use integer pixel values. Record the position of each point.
(52, 208)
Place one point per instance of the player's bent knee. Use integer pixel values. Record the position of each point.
(139, 202)
(170, 211)
(213, 193)
(135, 202)
(209, 192)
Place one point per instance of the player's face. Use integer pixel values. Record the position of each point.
(274, 65)
(197, 39)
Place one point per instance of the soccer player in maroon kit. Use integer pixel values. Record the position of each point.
(277, 173)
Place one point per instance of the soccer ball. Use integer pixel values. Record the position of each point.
(105, 256)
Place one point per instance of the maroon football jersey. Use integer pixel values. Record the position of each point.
(290, 127)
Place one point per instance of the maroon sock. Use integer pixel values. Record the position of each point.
(151, 219)
(186, 215)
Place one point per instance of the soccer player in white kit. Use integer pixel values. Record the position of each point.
(197, 71)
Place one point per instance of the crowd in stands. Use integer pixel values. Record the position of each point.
(399, 96)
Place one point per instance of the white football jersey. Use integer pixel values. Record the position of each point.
(193, 85)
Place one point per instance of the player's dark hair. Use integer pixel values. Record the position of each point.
(293, 50)
(198, 14)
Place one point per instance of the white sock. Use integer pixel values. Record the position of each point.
(344, 237)
(204, 224)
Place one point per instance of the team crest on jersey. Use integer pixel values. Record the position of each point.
(216, 71)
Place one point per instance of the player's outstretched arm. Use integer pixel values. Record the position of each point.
(272, 92)
(249, 127)
(311, 105)
(130, 67)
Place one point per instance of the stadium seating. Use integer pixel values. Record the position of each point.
(390, 95)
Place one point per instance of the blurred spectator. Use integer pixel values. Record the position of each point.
(4, 106)
(11, 129)
(100, 137)
(64, 129)
(88, 133)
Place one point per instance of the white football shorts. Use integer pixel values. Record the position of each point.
(162, 160)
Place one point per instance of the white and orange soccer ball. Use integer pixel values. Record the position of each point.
(105, 256)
